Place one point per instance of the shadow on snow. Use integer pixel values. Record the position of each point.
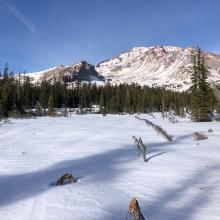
(96, 168)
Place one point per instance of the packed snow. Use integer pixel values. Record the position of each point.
(180, 180)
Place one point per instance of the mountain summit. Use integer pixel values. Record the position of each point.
(160, 65)
(166, 66)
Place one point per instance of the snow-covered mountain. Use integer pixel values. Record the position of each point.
(160, 65)
(167, 66)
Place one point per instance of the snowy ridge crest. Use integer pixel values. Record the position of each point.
(166, 66)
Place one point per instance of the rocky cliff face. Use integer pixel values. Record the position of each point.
(82, 71)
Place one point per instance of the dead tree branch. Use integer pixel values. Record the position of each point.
(157, 128)
(141, 147)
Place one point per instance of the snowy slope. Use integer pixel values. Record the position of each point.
(179, 182)
(38, 76)
(158, 66)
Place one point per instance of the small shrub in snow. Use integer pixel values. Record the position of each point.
(134, 211)
(210, 130)
(171, 116)
(65, 179)
(39, 110)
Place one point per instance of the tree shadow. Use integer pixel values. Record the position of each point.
(177, 203)
(103, 167)
(155, 155)
(155, 147)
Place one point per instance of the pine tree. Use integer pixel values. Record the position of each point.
(200, 92)
(194, 87)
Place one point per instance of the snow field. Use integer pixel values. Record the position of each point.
(180, 180)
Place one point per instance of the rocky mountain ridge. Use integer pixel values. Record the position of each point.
(166, 66)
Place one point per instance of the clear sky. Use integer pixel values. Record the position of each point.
(37, 34)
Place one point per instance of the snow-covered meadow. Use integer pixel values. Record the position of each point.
(180, 181)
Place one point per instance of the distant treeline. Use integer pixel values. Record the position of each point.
(18, 95)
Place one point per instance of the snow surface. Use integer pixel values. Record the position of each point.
(180, 181)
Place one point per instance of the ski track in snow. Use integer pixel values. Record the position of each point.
(180, 181)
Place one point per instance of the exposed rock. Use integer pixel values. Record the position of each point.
(82, 71)
(199, 136)
(134, 211)
(210, 130)
(65, 179)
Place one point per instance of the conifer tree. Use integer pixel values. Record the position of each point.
(200, 91)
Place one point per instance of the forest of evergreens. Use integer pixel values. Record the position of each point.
(20, 98)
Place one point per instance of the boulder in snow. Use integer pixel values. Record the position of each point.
(134, 211)
(65, 179)
(198, 136)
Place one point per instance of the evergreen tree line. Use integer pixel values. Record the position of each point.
(18, 96)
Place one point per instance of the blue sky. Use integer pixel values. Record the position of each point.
(35, 35)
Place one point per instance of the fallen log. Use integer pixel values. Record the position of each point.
(157, 128)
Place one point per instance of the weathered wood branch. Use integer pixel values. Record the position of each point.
(137, 144)
(157, 128)
(141, 147)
